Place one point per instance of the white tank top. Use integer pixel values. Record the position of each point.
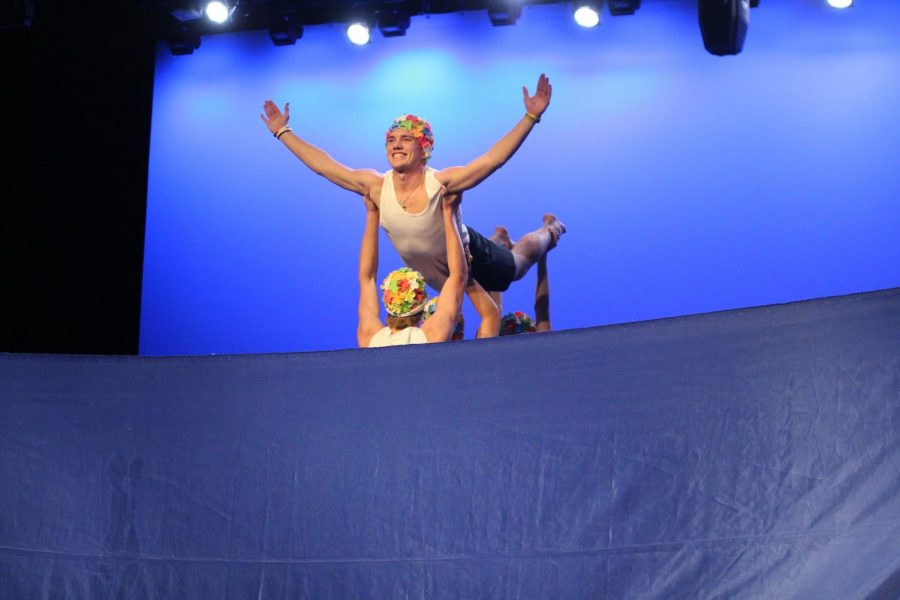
(408, 335)
(419, 238)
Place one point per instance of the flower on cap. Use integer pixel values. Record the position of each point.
(516, 322)
(418, 127)
(403, 292)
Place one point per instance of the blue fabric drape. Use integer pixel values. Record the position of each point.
(743, 454)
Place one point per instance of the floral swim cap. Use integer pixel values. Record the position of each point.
(516, 322)
(458, 332)
(420, 129)
(403, 292)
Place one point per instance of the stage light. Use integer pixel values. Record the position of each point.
(183, 41)
(286, 30)
(186, 11)
(618, 8)
(840, 3)
(504, 12)
(723, 24)
(587, 14)
(393, 20)
(358, 33)
(218, 11)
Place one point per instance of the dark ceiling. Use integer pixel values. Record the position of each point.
(156, 17)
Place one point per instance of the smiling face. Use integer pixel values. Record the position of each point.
(403, 151)
(408, 142)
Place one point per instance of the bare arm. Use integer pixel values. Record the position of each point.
(319, 161)
(459, 179)
(439, 327)
(369, 321)
(542, 297)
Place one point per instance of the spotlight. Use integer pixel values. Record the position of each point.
(186, 11)
(587, 13)
(504, 12)
(618, 8)
(840, 3)
(358, 33)
(723, 24)
(218, 11)
(393, 20)
(183, 42)
(286, 31)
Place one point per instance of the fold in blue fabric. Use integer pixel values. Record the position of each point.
(752, 453)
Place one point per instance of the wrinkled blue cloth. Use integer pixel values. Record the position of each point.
(743, 454)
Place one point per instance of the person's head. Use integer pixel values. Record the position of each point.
(458, 332)
(409, 142)
(516, 322)
(404, 296)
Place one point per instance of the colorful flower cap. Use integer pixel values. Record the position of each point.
(404, 292)
(516, 322)
(458, 332)
(420, 129)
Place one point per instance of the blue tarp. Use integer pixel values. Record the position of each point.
(743, 454)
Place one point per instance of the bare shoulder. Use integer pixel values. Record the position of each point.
(367, 182)
(455, 179)
(369, 176)
(445, 176)
(439, 326)
(435, 330)
(367, 330)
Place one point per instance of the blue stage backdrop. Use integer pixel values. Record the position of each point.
(690, 183)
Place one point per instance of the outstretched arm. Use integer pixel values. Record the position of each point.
(459, 179)
(542, 297)
(360, 181)
(439, 327)
(369, 321)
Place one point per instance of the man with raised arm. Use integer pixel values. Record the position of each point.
(408, 198)
(403, 291)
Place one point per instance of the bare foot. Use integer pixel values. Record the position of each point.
(501, 237)
(555, 227)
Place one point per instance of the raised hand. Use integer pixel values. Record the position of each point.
(370, 205)
(273, 117)
(450, 201)
(538, 103)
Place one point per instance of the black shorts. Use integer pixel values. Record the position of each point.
(493, 266)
